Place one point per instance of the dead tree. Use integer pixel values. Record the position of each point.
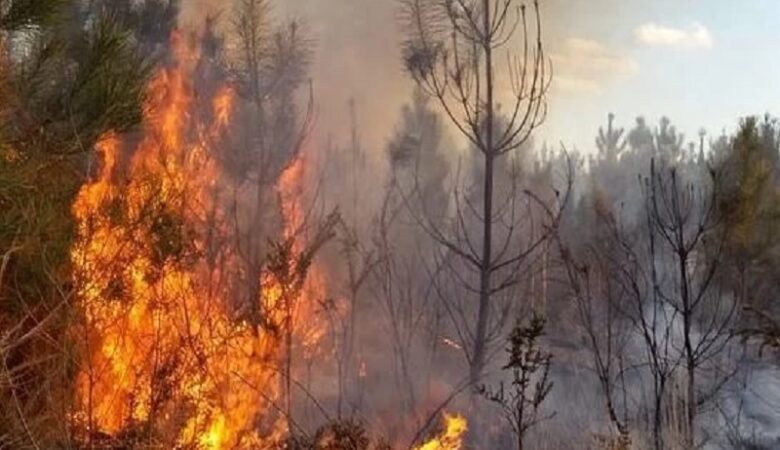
(661, 277)
(361, 263)
(405, 253)
(598, 303)
(636, 269)
(685, 220)
(451, 52)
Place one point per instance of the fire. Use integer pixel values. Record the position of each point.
(452, 344)
(166, 360)
(313, 330)
(455, 427)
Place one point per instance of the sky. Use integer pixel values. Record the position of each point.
(702, 63)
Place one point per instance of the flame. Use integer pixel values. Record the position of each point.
(166, 361)
(312, 331)
(452, 344)
(455, 427)
(165, 358)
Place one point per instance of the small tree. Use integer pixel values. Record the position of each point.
(529, 365)
(451, 52)
(267, 64)
(599, 306)
(63, 84)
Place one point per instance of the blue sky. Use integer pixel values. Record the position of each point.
(697, 82)
(602, 64)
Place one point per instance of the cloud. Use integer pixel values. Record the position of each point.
(695, 36)
(586, 66)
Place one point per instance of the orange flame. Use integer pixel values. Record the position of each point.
(164, 354)
(166, 360)
(452, 436)
(312, 331)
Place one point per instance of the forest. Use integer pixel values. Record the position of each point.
(189, 260)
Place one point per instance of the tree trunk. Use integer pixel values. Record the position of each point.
(483, 314)
(486, 271)
(690, 358)
(658, 439)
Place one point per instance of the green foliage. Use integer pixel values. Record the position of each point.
(64, 83)
(751, 200)
(150, 21)
(35, 230)
(56, 108)
(750, 208)
(70, 81)
(108, 87)
(524, 351)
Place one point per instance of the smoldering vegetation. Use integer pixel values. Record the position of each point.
(190, 261)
